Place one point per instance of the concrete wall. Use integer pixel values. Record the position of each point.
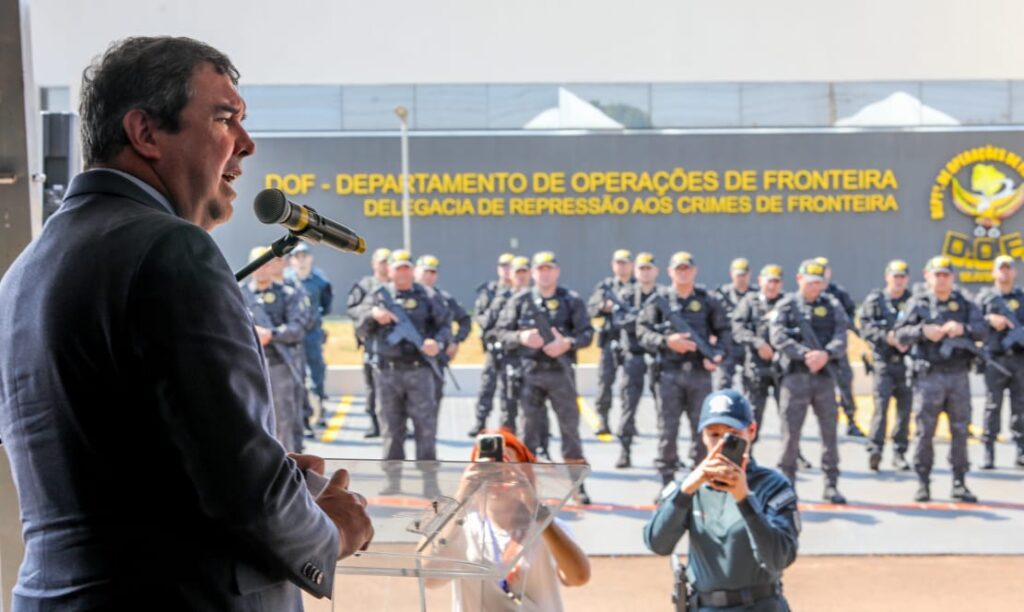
(490, 41)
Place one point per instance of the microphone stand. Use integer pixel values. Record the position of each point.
(279, 248)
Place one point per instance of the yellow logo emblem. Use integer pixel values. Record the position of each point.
(409, 304)
(268, 298)
(694, 306)
(953, 306)
(552, 304)
(1013, 304)
(820, 311)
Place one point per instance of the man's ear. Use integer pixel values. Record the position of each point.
(140, 130)
(752, 430)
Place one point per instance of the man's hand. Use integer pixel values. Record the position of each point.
(347, 510)
(953, 329)
(890, 339)
(557, 347)
(430, 347)
(998, 322)
(816, 360)
(935, 333)
(681, 343)
(452, 350)
(309, 462)
(264, 334)
(383, 316)
(531, 338)
(724, 475)
(766, 352)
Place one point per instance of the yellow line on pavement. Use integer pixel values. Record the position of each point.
(592, 418)
(337, 420)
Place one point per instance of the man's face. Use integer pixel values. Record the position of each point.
(380, 268)
(740, 279)
(426, 277)
(521, 278)
(264, 275)
(647, 275)
(622, 269)
(546, 276)
(1005, 274)
(402, 276)
(684, 275)
(198, 164)
(277, 266)
(810, 287)
(714, 433)
(302, 263)
(896, 283)
(771, 287)
(939, 282)
(504, 272)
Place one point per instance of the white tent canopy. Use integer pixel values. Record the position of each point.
(572, 113)
(899, 109)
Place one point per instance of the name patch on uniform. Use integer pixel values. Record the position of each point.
(820, 311)
(409, 304)
(268, 298)
(694, 306)
(669, 489)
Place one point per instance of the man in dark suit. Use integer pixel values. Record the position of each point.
(134, 403)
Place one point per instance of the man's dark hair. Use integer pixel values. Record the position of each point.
(148, 73)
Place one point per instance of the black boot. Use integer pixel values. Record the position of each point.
(475, 431)
(924, 492)
(832, 494)
(584, 499)
(1020, 455)
(874, 460)
(989, 461)
(803, 463)
(900, 462)
(603, 430)
(374, 430)
(624, 458)
(854, 431)
(961, 493)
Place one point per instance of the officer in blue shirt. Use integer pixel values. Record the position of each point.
(321, 295)
(744, 524)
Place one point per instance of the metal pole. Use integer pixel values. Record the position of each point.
(403, 116)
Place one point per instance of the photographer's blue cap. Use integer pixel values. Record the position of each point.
(726, 407)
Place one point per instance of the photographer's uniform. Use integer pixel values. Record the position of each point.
(738, 550)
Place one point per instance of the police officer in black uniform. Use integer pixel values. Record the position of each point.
(356, 302)
(844, 370)
(730, 294)
(426, 275)
(939, 315)
(608, 338)
(486, 316)
(1000, 305)
(636, 357)
(685, 373)
(743, 520)
(510, 367)
(807, 379)
(548, 368)
(761, 374)
(405, 382)
(280, 316)
(878, 316)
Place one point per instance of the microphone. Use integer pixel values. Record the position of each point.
(273, 207)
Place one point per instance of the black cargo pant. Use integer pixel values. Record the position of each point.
(996, 385)
(681, 391)
(608, 368)
(941, 389)
(488, 386)
(890, 382)
(845, 383)
(758, 389)
(800, 390)
(555, 382)
(634, 371)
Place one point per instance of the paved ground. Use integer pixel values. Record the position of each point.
(881, 519)
(835, 584)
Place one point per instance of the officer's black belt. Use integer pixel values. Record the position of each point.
(545, 365)
(739, 597)
(948, 367)
(681, 366)
(401, 364)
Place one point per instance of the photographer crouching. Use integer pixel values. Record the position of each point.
(743, 519)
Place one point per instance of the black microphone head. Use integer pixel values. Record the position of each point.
(271, 206)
